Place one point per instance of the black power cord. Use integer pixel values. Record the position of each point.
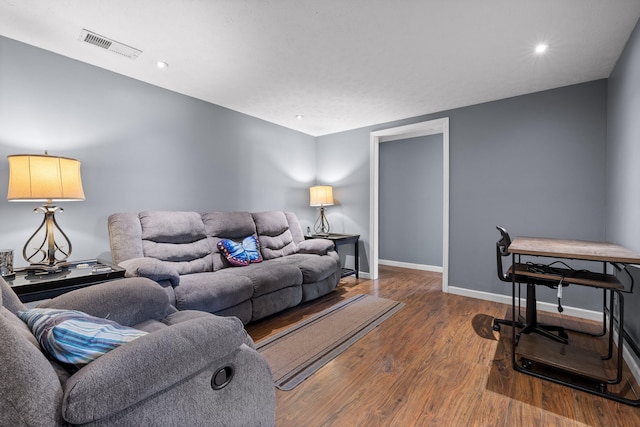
(567, 271)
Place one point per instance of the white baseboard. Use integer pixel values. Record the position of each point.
(542, 306)
(423, 267)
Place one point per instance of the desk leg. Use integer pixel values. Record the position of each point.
(620, 334)
(513, 315)
(357, 260)
(611, 314)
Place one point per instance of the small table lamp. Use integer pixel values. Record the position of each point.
(44, 178)
(321, 195)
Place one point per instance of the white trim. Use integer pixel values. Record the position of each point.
(423, 267)
(431, 127)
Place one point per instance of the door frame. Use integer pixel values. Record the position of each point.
(431, 127)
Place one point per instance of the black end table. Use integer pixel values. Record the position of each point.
(343, 239)
(34, 286)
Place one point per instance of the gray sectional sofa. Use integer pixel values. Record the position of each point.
(180, 251)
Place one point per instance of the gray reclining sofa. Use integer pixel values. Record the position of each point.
(179, 250)
(191, 369)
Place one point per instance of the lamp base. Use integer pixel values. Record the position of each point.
(321, 227)
(45, 255)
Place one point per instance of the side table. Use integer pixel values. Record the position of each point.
(343, 239)
(34, 286)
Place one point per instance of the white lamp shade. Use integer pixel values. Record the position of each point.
(44, 178)
(321, 195)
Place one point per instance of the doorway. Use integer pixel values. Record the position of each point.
(431, 127)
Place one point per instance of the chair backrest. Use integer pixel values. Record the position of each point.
(502, 250)
(30, 386)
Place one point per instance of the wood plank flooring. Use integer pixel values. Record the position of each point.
(437, 362)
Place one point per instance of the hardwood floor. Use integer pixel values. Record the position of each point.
(437, 362)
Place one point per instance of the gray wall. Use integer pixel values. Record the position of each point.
(623, 158)
(410, 200)
(141, 148)
(534, 164)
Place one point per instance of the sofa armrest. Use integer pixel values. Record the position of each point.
(149, 367)
(315, 246)
(151, 268)
(125, 301)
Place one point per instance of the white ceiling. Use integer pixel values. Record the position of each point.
(343, 64)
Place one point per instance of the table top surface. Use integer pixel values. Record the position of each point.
(573, 249)
(86, 270)
(335, 236)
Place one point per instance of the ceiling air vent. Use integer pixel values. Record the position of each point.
(108, 44)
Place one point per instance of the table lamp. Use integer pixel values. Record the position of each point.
(48, 179)
(321, 195)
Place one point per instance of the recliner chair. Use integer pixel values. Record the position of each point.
(192, 368)
(502, 250)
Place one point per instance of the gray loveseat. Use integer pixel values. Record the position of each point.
(179, 250)
(191, 369)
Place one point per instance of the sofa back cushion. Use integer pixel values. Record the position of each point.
(178, 238)
(294, 227)
(234, 226)
(276, 239)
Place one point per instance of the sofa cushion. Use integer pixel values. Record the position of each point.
(171, 226)
(226, 225)
(275, 237)
(313, 267)
(212, 292)
(176, 237)
(74, 337)
(240, 254)
(268, 276)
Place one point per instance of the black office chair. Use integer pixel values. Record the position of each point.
(502, 250)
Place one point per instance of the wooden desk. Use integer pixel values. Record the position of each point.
(573, 249)
(564, 357)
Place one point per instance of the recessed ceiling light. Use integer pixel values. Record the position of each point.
(161, 64)
(299, 116)
(541, 48)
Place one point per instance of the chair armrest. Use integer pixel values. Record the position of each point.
(150, 366)
(315, 246)
(125, 301)
(151, 268)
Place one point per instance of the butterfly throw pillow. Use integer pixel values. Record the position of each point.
(241, 254)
